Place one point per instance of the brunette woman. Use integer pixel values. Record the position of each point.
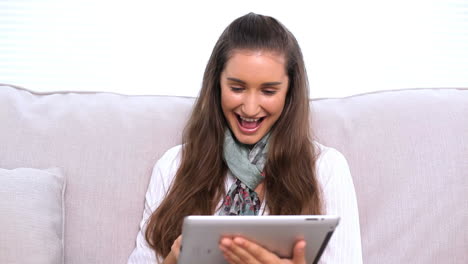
(247, 150)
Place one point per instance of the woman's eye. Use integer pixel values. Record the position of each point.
(237, 89)
(269, 92)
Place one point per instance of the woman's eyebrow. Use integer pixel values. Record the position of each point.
(263, 84)
(271, 83)
(235, 80)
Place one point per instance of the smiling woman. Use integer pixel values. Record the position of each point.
(253, 91)
(247, 150)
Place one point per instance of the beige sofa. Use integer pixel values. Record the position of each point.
(407, 150)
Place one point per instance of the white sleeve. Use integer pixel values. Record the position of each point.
(161, 179)
(340, 199)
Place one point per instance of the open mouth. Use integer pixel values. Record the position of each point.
(249, 124)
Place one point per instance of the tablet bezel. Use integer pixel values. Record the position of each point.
(201, 234)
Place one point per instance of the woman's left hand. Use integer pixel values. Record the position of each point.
(238, 250)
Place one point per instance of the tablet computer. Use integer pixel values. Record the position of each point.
(201, 235)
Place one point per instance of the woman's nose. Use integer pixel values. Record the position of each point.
(251, 105)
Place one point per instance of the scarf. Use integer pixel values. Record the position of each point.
(247, 166)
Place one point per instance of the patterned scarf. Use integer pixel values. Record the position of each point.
(247, 166)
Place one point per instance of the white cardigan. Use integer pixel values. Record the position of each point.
(338, 194)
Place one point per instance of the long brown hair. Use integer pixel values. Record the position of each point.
(290, 177)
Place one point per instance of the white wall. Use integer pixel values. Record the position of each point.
(151, 47)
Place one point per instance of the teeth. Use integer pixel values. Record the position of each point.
(249, 119)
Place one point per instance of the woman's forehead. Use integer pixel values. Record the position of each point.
(248, 61)
(275, 55)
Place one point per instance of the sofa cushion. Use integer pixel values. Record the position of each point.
(408, 155)
(32, 210)
(106, 144)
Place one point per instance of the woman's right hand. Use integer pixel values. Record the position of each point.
(175, 248)
(238, 250)
(175, 251)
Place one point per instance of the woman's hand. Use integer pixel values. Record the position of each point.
(239, 250)
(175, 250)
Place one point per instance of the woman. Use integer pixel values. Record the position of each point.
(249, 134)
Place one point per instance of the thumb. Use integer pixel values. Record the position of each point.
(176, 246)
(299, 253)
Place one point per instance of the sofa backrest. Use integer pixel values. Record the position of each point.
(407, 151)
(408, 154)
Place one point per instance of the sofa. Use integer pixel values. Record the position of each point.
(407, 151)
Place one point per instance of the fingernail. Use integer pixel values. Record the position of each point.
(302, 245)
(239, 241)
(226, 242)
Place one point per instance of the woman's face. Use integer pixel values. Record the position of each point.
(253, 92)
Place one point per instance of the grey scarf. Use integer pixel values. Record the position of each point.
(247, 166)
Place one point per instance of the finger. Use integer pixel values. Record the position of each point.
(176, 246)
(232, 258)
(299, 252)
(226, 245)
(251, 252)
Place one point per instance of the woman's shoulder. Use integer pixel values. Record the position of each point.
(170, 158)
(167, 165)
(172, 153)
(329, 163)
(326, 154)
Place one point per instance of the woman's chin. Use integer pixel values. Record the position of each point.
(247, 139)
